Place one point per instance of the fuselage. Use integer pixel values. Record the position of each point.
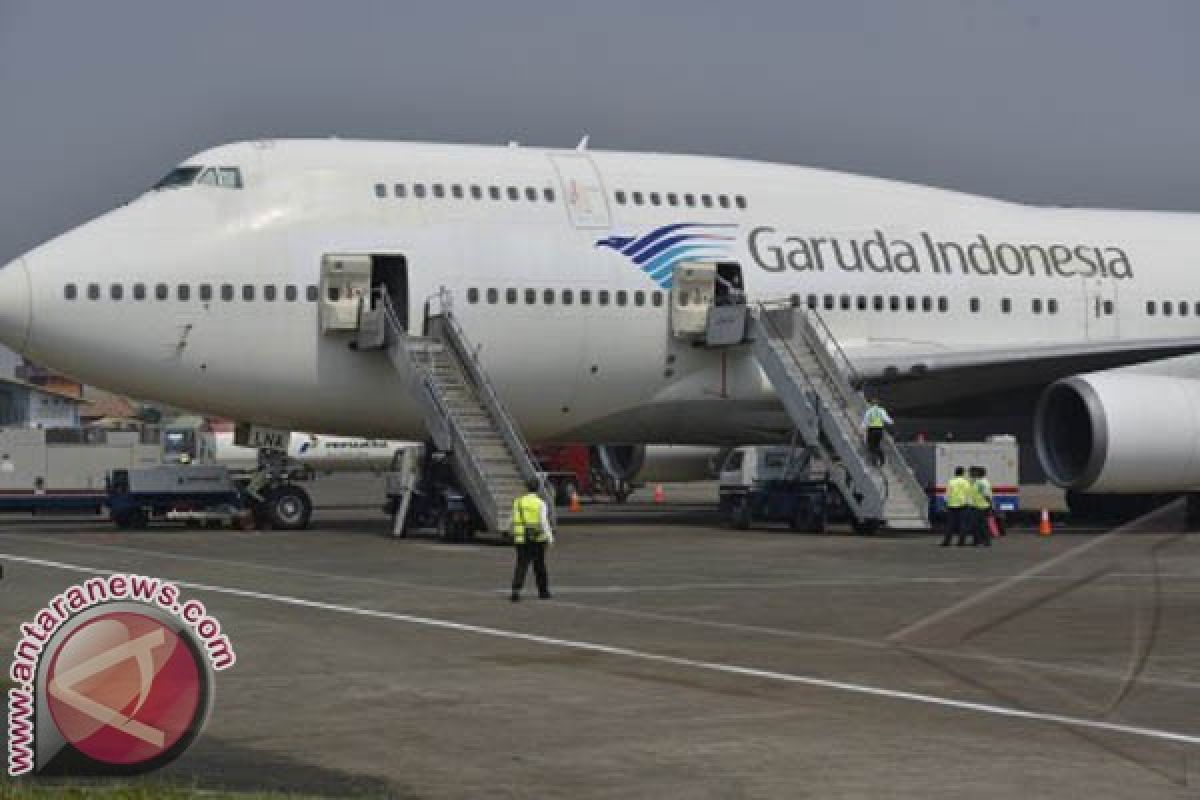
(205, 296)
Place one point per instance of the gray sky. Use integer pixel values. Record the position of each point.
(1074, 102)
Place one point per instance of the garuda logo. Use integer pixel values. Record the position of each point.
(656, 253)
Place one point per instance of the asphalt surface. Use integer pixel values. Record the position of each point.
(678, 658)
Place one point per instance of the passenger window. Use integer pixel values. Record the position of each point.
(829, 302)
(399, 190)
(706, 200)
(1166, 308)
(813, 301)
(494, 192)
(639, 298)
(637, 198)
(380, 189)
(531, 194)
(585, 297)
(290, 293)
(622, 297)
(846, 302)
(568, 297)
(456, 191)
(419, 190)
(602, 297)
(910, 303)
(231, 178)
(116, 291)
(476, 192)
(70, 291)
(943, 304)
(472, 295)
(657, 299)
(439, 191)
(1037, 305)
(493, 296)
(1052, 305)
(513, 193)
(1150, 307)
(248, 293)
(269, 293)
(530, 297)
(510, 296)
(877, 302)
(161, 292)
(139, 291)
(894, 302)
(723, 201)
(205, 292)
(672, 199)
(1108, 307)
(740, 201)
(227, 292)
(655, 199)
(927, 303)
(862, 302)
(548, 297)
(183, 292)
(620, 195)
(310, 293)
(689, 200)
(548, 195)
(1006, 305)
(975, 305)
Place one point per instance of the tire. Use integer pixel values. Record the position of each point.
(866, 527)
(287, 508)
(739, 516)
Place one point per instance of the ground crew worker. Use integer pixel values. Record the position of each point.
(981, 505)
(875, 417)
(531, 534)
(958, 489)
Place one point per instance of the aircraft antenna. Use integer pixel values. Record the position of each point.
(583, 143)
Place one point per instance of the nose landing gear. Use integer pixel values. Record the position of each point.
(276, 502)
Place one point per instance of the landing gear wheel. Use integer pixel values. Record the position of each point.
(287, 508)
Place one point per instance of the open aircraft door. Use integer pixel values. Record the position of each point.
(582, 189)
(693, 293)
(1100, 308)
(345, 283)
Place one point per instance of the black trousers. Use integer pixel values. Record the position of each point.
(954, 524)
(875, 444)
(531, 553)
(976, 528)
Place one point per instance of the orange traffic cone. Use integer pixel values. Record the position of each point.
(1044, 528)
(659, 494)
(574, 505)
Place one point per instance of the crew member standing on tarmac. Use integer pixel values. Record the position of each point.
(874, 419)
(958, 489)
(531, 534)
(981, 505)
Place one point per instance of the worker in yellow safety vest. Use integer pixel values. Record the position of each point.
(531, 534)
(958, 489)
(981, 502)
(874, 420)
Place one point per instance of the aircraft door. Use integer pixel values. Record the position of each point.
(345, 281)
(582, 190)
(1100, 309)
(389, 273)
(693, 293)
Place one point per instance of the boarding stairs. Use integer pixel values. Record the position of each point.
(816, 383)
(463, 413)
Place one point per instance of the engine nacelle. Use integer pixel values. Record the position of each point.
(639, 463)
(1121, 432)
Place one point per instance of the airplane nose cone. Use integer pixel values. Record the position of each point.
(14, 305)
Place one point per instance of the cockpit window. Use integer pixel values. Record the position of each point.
(180, 176)
(221, 177)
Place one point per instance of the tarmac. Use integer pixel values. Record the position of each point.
(678, 658)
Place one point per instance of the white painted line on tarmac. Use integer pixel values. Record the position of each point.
(659, 658)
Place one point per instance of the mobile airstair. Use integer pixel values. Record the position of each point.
(816, 384)
(463, 413)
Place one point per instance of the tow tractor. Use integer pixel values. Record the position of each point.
(778, 484)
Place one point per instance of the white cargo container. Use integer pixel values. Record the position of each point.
(933, 463)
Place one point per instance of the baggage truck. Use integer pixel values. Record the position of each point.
(189, 492)
(933, 463)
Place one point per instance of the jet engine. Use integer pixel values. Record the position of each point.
(1121, 432)
(639, 463)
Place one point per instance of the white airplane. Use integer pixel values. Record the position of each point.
(203, 293)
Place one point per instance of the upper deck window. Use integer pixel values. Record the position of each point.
(180, 176)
